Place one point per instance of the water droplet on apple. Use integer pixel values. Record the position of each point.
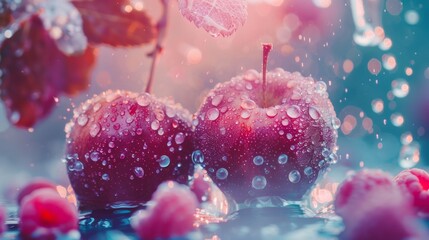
(105, 177)
(259, 182)
(308, 171)
(82, 120)
(314, 113)
(245, 114)
(221, 173)
(248, 104)
(282, 159)
(164, 161)
(143, 100)
(180, 138)
(139, 172)
(271, 112)
(258, 160)
(294, 176)
(293, 111)
(95, 156)
(154, 125)
(96, 107)
(94, 129)
(213, 114)
(197, 157)
(216, 100)
(285, 122)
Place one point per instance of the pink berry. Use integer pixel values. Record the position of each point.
(35, 184)
(122, 145)
(253, 146)
(3, 218)
(415, 182)
(44, 214)
(373, 207)
(171, 215)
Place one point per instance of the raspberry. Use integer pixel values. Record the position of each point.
(373, 207)
(2, 220)
(36, 184)
(415, 182)
(172, 213)
(45, 215)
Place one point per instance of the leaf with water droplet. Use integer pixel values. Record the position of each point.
(36, 72)
(217, 17)
(117, 23)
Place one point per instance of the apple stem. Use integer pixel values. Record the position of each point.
(266, 48)
(161, 28)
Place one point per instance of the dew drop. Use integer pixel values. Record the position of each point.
(314, 113)
(285, 122)
(197, 157)
(282, 159)
(216, 100)
(154, 125)
(245, 114)
(294, 176)
(221, 173)
(248, 104)
(96, 107)
(293, 111)
(105, 177)
(143, 100)
(258, 160)
(308, 171)
(271, 112)
(139, 172)
(78, 166)
(213, 114)
(82, 120)
(164, 161)
(289, 136)
(259, 182)
(95, 156)
(180, 138)
(111, 144)
(94, 129)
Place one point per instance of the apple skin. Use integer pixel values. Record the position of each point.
(122, 145)
(233, 126)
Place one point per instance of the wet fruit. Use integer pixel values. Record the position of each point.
(122, 145)
(44, 214)
(170, 215)
(34, 185)
(272, 139)
(415, 183)
(373, 207)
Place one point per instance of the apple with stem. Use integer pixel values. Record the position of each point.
(269, 134)
(121, 145)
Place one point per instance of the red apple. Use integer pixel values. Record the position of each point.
(122, 145)
(271, 139)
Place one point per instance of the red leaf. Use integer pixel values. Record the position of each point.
(115, 22)
(35, 72)
(217, 17)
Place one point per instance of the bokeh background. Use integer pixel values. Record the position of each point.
(377, 74)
